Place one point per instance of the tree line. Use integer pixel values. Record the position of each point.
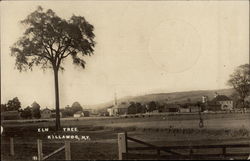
(34, 110)
(137, 107)
(29, 112)
(69, 111)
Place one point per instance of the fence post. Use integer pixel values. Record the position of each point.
(191, 153)
(40, 149)
(224, 152)
(12, 153)
(67, 150)
(126, 141)
(121, 145)
(158, 153)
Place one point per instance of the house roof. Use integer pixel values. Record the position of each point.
(110, 106)
(121, 106)
(221, 98)
(46, 109)
(79, 112)
(187, 105)
(172, 106)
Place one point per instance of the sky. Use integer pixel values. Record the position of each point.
(142, 47)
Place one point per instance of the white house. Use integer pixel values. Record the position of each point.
(78, 114)
(224, 102)
(111, 111)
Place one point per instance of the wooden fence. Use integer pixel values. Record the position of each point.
(66, 147)
(170, 152)
(40, 155)
(184, 152)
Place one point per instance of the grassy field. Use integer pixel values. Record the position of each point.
(159, 130)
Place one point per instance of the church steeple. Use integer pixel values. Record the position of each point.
(115, 101)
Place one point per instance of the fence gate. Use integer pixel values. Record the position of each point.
(184, 152)
(66, 147)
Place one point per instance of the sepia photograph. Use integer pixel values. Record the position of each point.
(125, 80)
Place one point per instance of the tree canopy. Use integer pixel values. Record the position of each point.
(35, 109)
(26, 113)
(76, 106)
(35, 105)
(49, 39)
(240, 81)
(13, 105)
(152, 105)
(3, 107)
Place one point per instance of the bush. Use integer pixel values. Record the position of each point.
(26, 113)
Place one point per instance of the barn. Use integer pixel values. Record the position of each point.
(46, 113)
(171, 108)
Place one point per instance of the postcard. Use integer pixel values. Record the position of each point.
(125, 80)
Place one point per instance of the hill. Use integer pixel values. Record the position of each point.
(179, 97)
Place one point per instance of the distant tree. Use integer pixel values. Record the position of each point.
(35, 109)
(139, 107)
(136, 107)
(143, 109)
(3, 107)
(132, 108)
(152, 106)
(67, 111)
(247, 104)
(198, 103)
(236, 99)
(189, 100)
(240, 81)
(201, 106)
(161, 108)
(131, 102)
(26, 113)
(49, 40)
(13, 104)
(76, 107)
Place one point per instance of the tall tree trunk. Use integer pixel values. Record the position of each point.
(58, 125)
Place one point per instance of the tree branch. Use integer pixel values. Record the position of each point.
(62, 55)
(48, 56)
(67, 54)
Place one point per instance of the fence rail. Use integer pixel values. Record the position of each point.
(187, 152)
(40, 154)
(170, 152)
(66, 147)
(184, 157)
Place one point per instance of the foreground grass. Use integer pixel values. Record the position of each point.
(160, 130)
